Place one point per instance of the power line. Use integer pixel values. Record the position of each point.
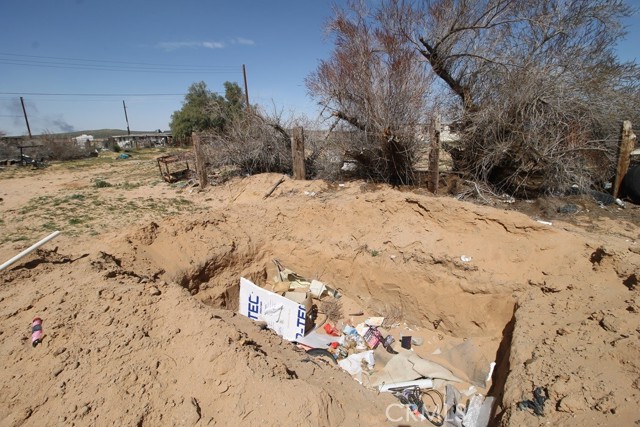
(93, 94)
(205, 67)
(42, 64)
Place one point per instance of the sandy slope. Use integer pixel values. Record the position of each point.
(141, 331)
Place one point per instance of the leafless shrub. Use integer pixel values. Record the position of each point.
(333, 309)
(392, 315)
(372, 83)
(55, 147)
(540, 92)
(546, 133)
(251, 142)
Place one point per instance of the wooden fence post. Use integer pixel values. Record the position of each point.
(297, 153)
(201, 169)
(434, 157)
(625, 148)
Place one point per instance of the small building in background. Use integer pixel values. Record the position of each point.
(143, 140)
(83, 139)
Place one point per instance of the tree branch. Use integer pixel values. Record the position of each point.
(351, 120)
(439, 68)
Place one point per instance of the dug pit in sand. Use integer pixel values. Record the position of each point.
(373, 351)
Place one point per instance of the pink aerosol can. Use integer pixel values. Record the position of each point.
(36, 331)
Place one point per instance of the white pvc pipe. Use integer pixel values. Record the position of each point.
(29, 250)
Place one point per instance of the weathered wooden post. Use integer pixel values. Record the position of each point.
(627, 143)
(297, 153)
(434, 156)
(200, 163)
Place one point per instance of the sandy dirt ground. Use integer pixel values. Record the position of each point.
(139, 294)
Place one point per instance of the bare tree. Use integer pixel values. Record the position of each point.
(539, 89)
(373, 83)
(251, 142)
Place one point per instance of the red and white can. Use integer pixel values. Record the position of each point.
(36, 331)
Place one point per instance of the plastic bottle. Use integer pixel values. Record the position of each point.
(36, 331)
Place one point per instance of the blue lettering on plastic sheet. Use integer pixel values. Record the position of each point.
(302, 320)
(254, 307)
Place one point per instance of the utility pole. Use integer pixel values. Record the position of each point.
(125, 117)
(24, 110)
(246, 89)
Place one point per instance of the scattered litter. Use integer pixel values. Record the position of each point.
(422, 384)
(340, 185)
(412, 397)
(331, 330)
(507, 199)
(123, 156)
(540, 395)
(544, 222)
(362, 329)
(569, 208)
(373, 337)
(619, 203)
(405, 342)
(374, 321)
(288, 318)
(348, 329)
(470, 391)
(353, 363)
(359, 313)
(455, 413)
(387, 344)
(36, 331)
(417, 341)
(473, 411)
(485, 412)
(492, 366)
(288, 310)
(296, 281)
(317, 288)
(310, 193)
(465, 258)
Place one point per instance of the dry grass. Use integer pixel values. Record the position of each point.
(392, 315)
(110, 193)
(333, 309)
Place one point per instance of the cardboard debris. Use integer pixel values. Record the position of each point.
(317, 288)
(295, 281)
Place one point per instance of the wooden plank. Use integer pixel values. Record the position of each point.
(627, 143)
(297, 153)
(434, 157)
(201, 170)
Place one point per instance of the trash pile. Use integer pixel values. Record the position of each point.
(369, 352)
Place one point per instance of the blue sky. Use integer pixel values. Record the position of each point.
(160, 47)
